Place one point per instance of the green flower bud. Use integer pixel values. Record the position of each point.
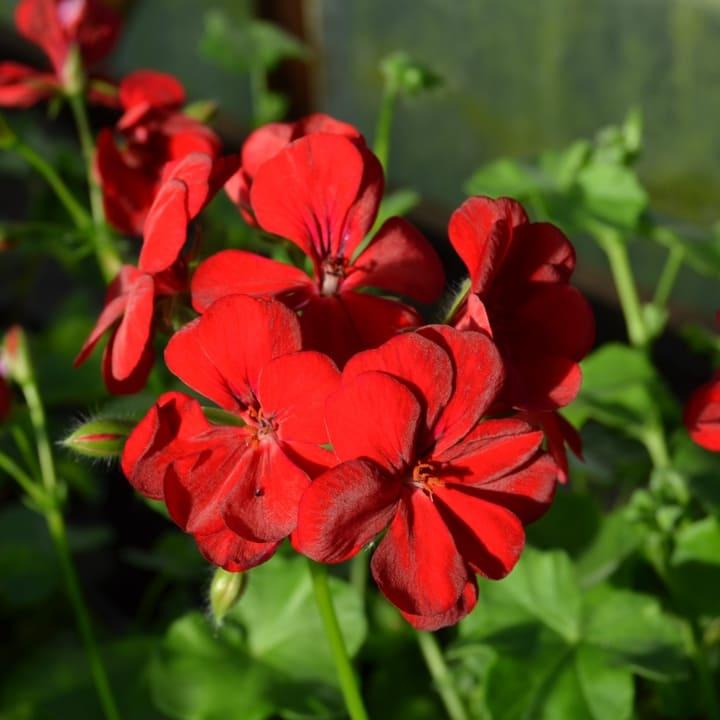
(226, 589)
(14, 356)
(99, 438)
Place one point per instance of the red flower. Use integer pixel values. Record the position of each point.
(153, 131)
(56, 26)
(131, 299)
(453, 491)
(236, 488)
(702, 415)
(322, 193)
(267, 141)
(5, 399)
(520, 296)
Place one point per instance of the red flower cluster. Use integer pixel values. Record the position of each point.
(151, 132)
(56, 27)
(702, 415)
(431, 437)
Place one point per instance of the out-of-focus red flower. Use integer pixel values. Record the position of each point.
(322, 193)
(131, 300)
(57, 26)
(521, 297)
(267, 141)
(152, 132)
(236, 489)
(5, 399)
(453, 490)
(702, 415)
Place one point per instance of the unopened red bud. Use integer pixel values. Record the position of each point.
(99, 438)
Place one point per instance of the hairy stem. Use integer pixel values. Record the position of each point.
(432, 654)
(343, 666)
(668, 276)
(381, 146)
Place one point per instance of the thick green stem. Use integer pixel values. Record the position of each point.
(381, 146)
(343, 666)
(107, 256)
(441, 675)
(56, 526)
(621, 269)
(76, 211)
(668, 276)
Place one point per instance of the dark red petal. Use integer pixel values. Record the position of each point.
(374, 416)
(558, 433)
(463, 607)
(186, 358)
(344, 509)
(401, 261)
(5, 399)
(151, 446)
(493, 449)
(134, 332)
(134, 382)
(478, 378)
(240, 335)
(540, 253)
(236, 272)
(305, 193)
(38, 22)
(203, 475)
(110, 314)
(320, 122)
(232, 552)
(96, 27)
(702, 415)
(481, 230)
(541, 382)
(424, 366)
(293, 390)
(328, 327)
(263, 505)
(473, 315)
(151, 89)
(489, 537)
(417, 566)
(22, 86)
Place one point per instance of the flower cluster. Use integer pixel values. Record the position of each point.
(335, 415)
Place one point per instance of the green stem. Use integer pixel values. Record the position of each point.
(258, 90)
(76, 211)
(381, 146)
(56, 526)
(343, 666)
(19, 475)
(107, 256)
(668, 276)
(441, 675)
(621, 269)
(359, 574)
(654, 440)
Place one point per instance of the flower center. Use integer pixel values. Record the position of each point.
(262, 425)
(425, 477)
(333, 271)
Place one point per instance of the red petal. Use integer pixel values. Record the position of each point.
(374, 416)
(401, 261)
(540, 253)
(364, 211)
(415, 361)
(293, 390)
(236, 272)
(232, 552)
(480, 230)
(702, 415)
(478, 378)
(151, 89)
(320, 122)
(263, 144)
(541, 382)
(134, 332)
(38, 21)
(152, 444)
(344, 509)
(22, 86)
(264, 503)
(493, 449)
(489, 537)
(464, 606)
(134, 382)
(417, 566)
(328, 327)
(305, 193)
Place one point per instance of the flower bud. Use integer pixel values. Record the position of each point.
(226, 589)
(99, 438)
(73, 75)
(14, 363)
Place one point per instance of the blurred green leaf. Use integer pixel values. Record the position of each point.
(699, 542)
(255, 45)
(701, 248)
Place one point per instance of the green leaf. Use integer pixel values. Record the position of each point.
(701, 469)
(405, 75)
(253, 46)
(564, 165)
(701, 248)
(699, 542)
(506, 177)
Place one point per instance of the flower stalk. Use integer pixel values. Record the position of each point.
(432, 654)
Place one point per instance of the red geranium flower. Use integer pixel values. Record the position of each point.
(322, 193)
(131, 299)
(520, 296)
(267, 141)
(453, 491)
(239, 485)
(702, 415)
(56, 26)
(152, 132)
